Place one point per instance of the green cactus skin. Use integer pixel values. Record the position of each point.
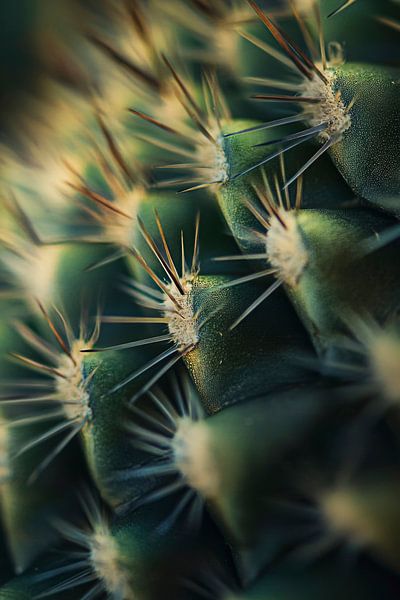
(332, 241)
(372, 170)
(363, 36)
(240, 150)
(158, 563)
(71, 272)
(11, 341)
(323, 187)
(108, 449)
(326, 577)
(204, 278)
(121, 215)
(27, 518)
(49, 577)
(5, 562)
(173, 209)
(239, 456)
(273, 337)
(52, 273)
(16, 590)
(130, 556)
(29, 585)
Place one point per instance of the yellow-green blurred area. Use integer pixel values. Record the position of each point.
(46, 43)
(36, 39)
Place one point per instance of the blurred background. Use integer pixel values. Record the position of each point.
(37, 45)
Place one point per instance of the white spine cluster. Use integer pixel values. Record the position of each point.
(192, 453)
(384, 355)
(285, 247)
(70, 387)
(4, 461)
(182, 321)
(106, 563)
(212, 155)
(220, 161)
(347, 519)
(330, 109)
(119, 226)
(33, 269)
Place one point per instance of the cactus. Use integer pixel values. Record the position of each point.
(199, 328)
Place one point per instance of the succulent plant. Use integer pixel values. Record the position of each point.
(200, 326)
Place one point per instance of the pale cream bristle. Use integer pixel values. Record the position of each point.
(41, 278)
(169, 109)
(285, 247)
(119, 228)
(347, 517)
(330, 109)
(182, 321)
(34, 270)
(226, 45)
(212, 155)
(305, 6)
(4, 461)
(117, 94)
(108, 566)
(384, 355)
(71, 389)
(193, 457)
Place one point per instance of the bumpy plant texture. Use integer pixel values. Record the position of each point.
(200, 294)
